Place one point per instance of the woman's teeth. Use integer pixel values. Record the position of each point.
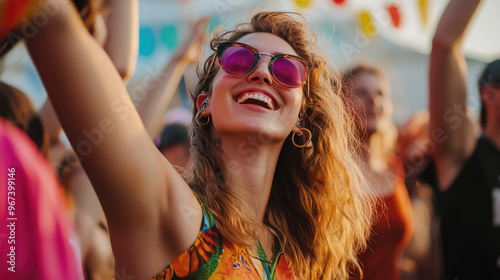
(256, 96)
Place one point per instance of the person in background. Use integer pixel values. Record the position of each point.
(17, 108)
(422, 257)
(368, 94)
(38, 240)
(174, 145)
(466, 169)
(152, 108)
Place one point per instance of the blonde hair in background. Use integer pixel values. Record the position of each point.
(383, 141)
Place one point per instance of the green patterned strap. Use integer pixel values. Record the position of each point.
(210, 222)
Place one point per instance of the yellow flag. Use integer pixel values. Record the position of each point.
(366, 24)
(303, 3)
(423, 6)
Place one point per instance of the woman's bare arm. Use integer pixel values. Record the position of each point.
(121, 46)
(135, 184)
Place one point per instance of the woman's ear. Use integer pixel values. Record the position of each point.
(298, 125)
(296, 130)
(201, 97)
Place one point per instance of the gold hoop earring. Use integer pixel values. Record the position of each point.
(308, 143)
(197, 118)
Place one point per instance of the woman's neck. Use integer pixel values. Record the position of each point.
(371, 155)
(251, 166)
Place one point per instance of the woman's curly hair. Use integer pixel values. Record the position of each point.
(316, 207)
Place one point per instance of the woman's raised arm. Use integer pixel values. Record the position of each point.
(135, 184)
(152, 108)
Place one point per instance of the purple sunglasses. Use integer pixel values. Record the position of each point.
(240, 59)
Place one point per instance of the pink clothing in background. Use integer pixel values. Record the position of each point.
(37, 236)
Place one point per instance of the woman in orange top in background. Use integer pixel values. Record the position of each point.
(369, 96)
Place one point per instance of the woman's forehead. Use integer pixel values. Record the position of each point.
(367, 79)
(371, 81)
(267, 42)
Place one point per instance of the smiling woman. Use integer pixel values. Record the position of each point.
(273, 180)
(315, 207)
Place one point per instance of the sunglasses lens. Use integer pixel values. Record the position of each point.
(289, 72)
(237, 60)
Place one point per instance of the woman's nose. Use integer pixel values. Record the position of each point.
(374, 99)
(261, 72)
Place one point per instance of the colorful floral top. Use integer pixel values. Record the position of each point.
(212, 257)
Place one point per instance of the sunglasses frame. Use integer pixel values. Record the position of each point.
(223, 46)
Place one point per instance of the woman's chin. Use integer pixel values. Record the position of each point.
(255, 133)
(372, 126)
